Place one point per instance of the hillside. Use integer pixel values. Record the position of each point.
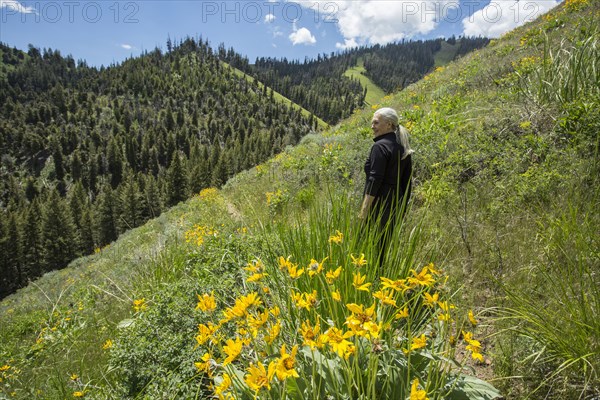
(505, 203)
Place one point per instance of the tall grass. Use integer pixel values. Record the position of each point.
(568, 73)
(320, 319)
(558, 312)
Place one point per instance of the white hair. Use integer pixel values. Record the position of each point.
(390, 115)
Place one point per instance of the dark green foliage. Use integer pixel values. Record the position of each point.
(58, 233)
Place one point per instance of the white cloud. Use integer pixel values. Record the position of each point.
(501, 16)
(16, 6)
(126, 46)
(302, 36)
(348, 44)
(269, 18)
(378, 21)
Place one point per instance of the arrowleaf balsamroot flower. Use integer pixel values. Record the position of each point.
(286, 363)
(359, 282)
(310, 333)
(335, 295)
(206, 302)
(240, 308)
(232, 349)
(206, 364)
(222, 388)
(423, 278)
(385, 298)
(430, 300)
(417, 343)
(402, 313)
(332, 275)
(472, 319)
(305, 300)
(139, 305)
(284, 263)
(315, 267)
(258, 377)
(397, 285)
(337, 340)
(337, 238)
(358, 261)
(416, 393)
(294, 272)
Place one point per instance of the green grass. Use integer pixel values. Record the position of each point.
(446, 54)
(374, 93)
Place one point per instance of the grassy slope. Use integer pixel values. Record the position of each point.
(446, 54)
(374, 92)
(278, 96)
(487, 172)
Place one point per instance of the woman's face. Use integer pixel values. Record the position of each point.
(380, 126)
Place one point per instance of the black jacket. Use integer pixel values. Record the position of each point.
(388, 176)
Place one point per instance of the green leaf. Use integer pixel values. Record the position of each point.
(126, 323)
(472, 388)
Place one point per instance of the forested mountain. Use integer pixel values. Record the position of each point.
(89, 153)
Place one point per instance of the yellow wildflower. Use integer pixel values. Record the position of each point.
(305, 300)
(332, 275)
(309, 333)
(335, 295)
(139, 305)
(397, 285)
(79, 394)
(472, 319)
(273, 332)
(206, 332)
(206, 302)
(418, 343)
(74, 377)
(232, 349)
(477, 356)
(205, 365)
(337, 340)
(107, 345)
(4, 368)
(430, 300)
(423, 278)
(254, 266)
(240, 308)
(337, 238)
(358, 282)
(402, 313)
(256, 277)
(385, 298)
(358, 261)
(223, 386)
(315, 267)
(284, 263)
(257, 322)
(286, 363)
(275, 311)
(294, 271)
(259, 377)
(416, 393)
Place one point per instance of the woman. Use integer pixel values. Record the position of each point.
(388, 169)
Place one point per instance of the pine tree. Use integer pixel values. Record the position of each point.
(115, 163)
(31, 241)
(152, 203)
(176, 181)
(105, 216)
(130, 204)
(58, 235)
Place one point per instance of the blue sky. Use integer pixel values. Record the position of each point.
(108, 31)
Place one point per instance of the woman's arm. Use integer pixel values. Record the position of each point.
(366, 206)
